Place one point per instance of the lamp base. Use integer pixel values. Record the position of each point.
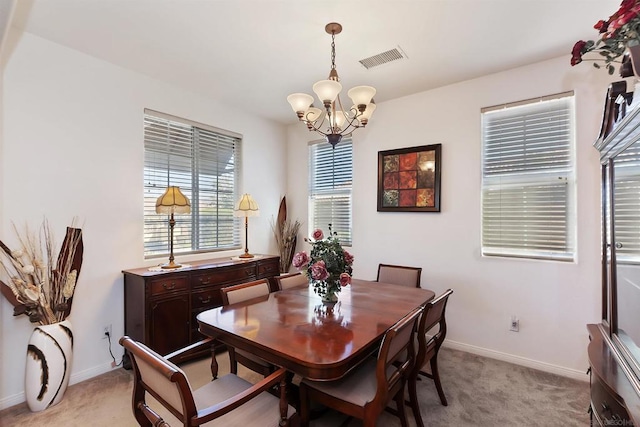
(245, 255)
(170, 265)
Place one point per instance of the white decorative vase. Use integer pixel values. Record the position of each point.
(48, 368)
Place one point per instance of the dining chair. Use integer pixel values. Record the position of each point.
(433, 315)
(399, 275)
(365, 392)
(239, 293)
(292, 280)
(226, 401)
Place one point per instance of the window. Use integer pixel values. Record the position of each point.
(330, 183)
(204, 162)
(528, 179)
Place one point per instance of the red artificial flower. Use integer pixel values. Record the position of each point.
(601, 26)
(317, 234)
(576, 52)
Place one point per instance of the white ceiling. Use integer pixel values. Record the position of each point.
(253, 53)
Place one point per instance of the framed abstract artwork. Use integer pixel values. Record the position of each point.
(409, 179)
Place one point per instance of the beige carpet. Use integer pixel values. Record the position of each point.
(480, 391)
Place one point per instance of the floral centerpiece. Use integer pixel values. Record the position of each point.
(328, 265)
(38, 284)
(619, 32)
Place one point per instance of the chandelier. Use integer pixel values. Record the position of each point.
(334, 122)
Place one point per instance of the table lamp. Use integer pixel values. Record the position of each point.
(172, 201)
(246, 207)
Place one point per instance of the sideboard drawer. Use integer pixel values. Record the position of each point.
(169, 284)
(605, 405)
(268, 269)
(205, 299)
(228, 276)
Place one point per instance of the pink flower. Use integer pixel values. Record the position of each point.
(318, 235)
(319, 271)
(348, 258)
(345, 279)
(300, 260)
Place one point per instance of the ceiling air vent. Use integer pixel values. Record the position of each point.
(383, 58)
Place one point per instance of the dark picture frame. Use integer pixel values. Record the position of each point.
(409, 179)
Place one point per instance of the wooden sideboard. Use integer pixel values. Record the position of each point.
(160, 307)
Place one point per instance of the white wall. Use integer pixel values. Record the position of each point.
(73, 146)
(553, 300)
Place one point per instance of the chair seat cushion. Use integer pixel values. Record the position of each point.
(261, 411)
(252, 357)
(358, 388)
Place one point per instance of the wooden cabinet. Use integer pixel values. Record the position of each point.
(161, 306)
(614, 347)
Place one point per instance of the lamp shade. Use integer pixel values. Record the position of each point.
(246, 207)
(366, 114)
(327, 90)
(173, 201)
(300, 102)
(361, 95)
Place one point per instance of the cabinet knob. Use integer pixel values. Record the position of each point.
(618, 245)
(206, 281)
(169, 287)
(205, 300)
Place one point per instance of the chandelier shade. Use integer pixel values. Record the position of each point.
(332, 120)
(327, 90)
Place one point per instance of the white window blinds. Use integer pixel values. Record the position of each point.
(626, 196)
(330, 183)
(204, 163)
(528, 180)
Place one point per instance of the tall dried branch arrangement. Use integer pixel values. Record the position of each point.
(286, 234)
(38, 284)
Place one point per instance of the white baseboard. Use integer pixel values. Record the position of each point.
(77, 377)
(518, 360)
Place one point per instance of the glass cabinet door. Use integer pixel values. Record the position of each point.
(625, 244)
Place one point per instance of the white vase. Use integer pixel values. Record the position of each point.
(48, 367)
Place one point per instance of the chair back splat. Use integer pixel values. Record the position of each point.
(399, 275)
(432, 316)
(292, 280)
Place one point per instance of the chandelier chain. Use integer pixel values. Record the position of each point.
(333, 50)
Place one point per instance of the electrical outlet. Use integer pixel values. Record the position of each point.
(106, 331)
(515, 324)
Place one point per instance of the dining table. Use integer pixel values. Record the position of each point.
(295, 329)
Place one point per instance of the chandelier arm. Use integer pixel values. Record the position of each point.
(312, 127)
